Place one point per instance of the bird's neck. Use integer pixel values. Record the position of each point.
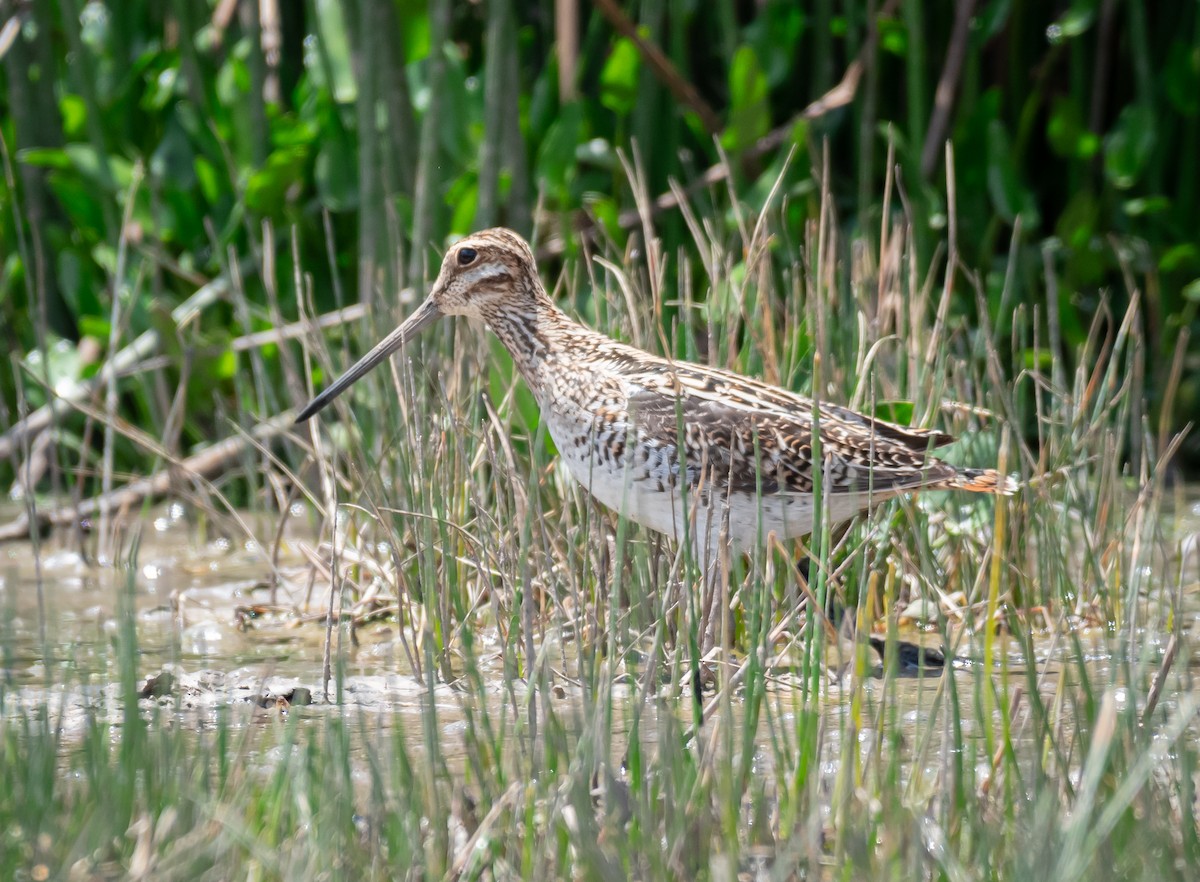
(537, 334)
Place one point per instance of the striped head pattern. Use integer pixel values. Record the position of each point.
(486, 274)
(489, 275)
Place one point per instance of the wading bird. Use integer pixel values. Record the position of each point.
(691, 451)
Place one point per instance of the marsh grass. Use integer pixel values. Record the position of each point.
(568, 642)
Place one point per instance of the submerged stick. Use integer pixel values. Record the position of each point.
(80, 390)
(258, 339)
(204, 464)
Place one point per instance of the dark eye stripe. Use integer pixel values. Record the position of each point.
(466, 255)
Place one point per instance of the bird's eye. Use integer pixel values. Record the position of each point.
(466, 256)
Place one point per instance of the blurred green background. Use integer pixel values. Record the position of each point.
(346, 141)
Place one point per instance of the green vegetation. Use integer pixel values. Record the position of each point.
(1065, 749)
(860, 268)
(360, 136)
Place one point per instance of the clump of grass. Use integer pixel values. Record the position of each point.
(558, 734)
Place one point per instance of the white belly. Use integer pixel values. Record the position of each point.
(642, 493)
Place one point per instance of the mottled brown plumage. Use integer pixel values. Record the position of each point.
(678, 447)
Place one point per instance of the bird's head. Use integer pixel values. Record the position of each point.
(482, 276)
(486, 272)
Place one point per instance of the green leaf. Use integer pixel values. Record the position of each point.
(105, 257)
(773, 34)
(79, 200)
(1074, 22)
(463, 197)
(606, 212)
(1191, 291)
(224, 366)
(1086, 261)
(1147, 205)
(87, 163)
(161, 89)
(289, 130)
(749, 111)
(268, 189)
(233, 83)
(1066, 132)
(336, 169)
(209, 180)
(414, 25)
(893, 37)
(619, 78)
(74, 116)
(1038, 359)
(1180, 257)
(95, 326)
(556, 157)
(1129, 145)
(45, 157)
(1077, 224)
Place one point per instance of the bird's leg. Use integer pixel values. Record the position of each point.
(835, 610)
(828, 616)
(710, 612)
(706, 551)
(912, 659)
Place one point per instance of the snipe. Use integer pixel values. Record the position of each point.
(668, 443)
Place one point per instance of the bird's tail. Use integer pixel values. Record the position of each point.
(981, 481)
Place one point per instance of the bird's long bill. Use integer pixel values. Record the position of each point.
(427, 313)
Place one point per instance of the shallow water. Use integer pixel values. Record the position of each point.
(208, 616)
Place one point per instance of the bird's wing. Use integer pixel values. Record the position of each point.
(759, 437)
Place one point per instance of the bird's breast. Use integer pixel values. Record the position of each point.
(634, 477)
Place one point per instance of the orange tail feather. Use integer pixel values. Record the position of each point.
(983, 481)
